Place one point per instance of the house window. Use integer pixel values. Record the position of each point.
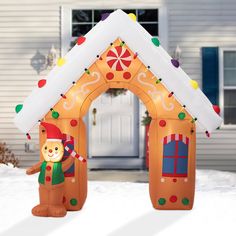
(229, 86)
(175, 156)
(84, 20)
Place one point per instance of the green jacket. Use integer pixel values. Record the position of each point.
(57, 173)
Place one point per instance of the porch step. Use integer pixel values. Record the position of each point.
(137, 176)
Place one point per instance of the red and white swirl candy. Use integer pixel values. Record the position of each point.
(118, 58)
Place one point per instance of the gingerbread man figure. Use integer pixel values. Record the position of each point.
(51, 177)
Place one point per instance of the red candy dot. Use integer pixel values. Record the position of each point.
(48, 168)
(28, 136)
(126, 75)
(162, 123)
(135, 55)
(109, 75)
(173, 198)
(81, 40)
(41, 83)
(174, 180)
(73, 123)
(216, 109)
(48, 178)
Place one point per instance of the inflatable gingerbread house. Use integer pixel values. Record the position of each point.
(119, 53)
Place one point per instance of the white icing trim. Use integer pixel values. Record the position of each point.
(53, 140)
(117, 25)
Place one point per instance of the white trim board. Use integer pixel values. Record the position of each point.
(221, 84)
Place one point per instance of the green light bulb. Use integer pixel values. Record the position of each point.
(156, 42)
(181, 115)
(18, 108)
(55, 114)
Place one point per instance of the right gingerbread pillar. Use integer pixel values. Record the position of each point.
(172, 165)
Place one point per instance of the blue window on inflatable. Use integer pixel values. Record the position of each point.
(71, 171)
(175, 157)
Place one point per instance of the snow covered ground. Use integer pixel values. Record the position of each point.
(120, 209)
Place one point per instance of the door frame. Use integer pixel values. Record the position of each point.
(65, 13)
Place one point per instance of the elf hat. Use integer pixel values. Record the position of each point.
(53, 132)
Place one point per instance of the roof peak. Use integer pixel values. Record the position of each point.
(117, 25)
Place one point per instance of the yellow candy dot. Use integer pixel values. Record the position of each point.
(61, 61)
(132, 16)
(194, 84)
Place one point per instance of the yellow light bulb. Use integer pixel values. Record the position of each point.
(194, 84)
(132, 16)
(61, 61)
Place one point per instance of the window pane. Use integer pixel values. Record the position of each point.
(229, 59)
(147, 15)
(230, 97)
(182, 149)
(230, 106)
(229, 116)
(127, 11)
(230, 77)
(98, 14)
(81, 16)
(169, 149)
(168, 165)
(71, 171)
(151, 28)
(78, 30)
(182, 166)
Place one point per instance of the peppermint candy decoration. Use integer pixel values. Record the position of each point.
(118, 58)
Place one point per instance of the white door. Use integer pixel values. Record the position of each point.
(114, 129)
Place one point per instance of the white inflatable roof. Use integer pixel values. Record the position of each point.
(117, 25)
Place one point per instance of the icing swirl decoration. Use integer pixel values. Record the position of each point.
(118, 58)
(153, 92)
(68, 105)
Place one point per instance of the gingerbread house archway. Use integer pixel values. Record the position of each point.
(132, 59)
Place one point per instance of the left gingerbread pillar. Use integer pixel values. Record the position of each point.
(76, 177)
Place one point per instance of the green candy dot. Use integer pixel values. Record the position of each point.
(156, 42)
(73, 201)
(18, 108)
(185, 201)
(162, 201)
(181, 115)
(55, 114)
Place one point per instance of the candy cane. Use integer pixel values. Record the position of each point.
(73, 152)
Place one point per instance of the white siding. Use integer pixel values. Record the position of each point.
(196, 24)
(24, 29)
(30, 25)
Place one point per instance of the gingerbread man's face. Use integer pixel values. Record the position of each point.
(53, 151)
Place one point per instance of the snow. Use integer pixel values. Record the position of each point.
(119, 209)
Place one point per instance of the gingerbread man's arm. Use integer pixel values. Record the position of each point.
(67, 163)
(34, 169)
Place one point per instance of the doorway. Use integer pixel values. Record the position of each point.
(113, 126)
